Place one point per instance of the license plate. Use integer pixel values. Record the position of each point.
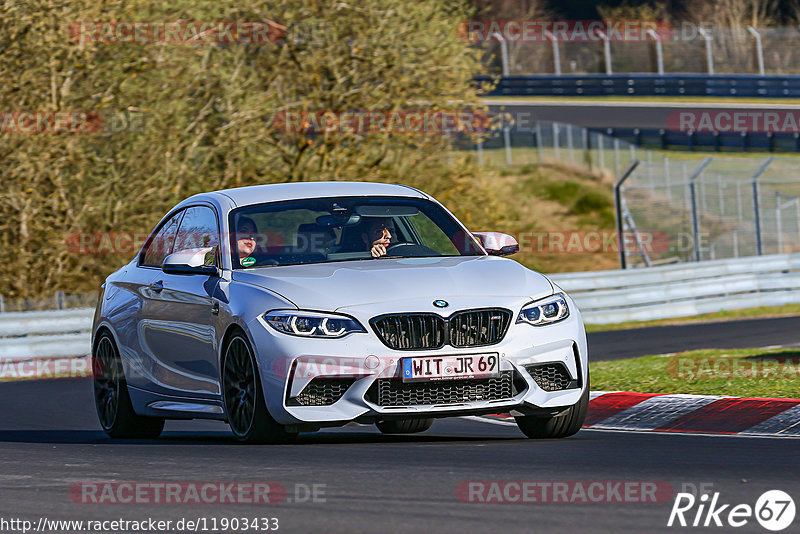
(460, 366)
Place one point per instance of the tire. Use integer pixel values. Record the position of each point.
(560, 426)
(404, 426)
(111, 398)
(243, 397)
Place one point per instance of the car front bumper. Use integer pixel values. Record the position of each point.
(288, 364)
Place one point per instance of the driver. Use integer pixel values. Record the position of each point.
(378, 235)
(245, 237)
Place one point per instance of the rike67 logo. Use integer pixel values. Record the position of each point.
(774, 510)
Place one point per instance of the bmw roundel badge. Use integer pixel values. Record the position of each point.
(440, 303)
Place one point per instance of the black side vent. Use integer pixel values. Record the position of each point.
(322, 391)
(551, 376)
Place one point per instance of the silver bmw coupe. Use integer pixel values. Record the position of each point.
(291, 307)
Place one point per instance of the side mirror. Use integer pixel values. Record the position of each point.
(190, 261)
(497, 244)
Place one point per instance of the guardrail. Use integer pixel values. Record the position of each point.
(45, 334)
(684, 289)
(741, 85)
(603, 297)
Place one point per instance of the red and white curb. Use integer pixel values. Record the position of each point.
(697, 414)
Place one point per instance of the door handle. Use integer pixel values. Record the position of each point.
(215, 308)
(157, 286)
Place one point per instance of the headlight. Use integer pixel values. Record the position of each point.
(312, 324)
(546, 311)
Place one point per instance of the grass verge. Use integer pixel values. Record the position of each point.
(740, 372)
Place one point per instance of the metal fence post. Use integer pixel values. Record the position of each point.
(797, 215)
(606, 51)
(2, 307)
(503, 53)
(556, 142)
(539, 141)
(601, 152)
(756, 207)
(507, 142)
(709, 55)
(739, 201)
(667, 179)
(693, 198)
(778, 222)
(570, 145)
(759, 49)
(556, 53)
(479, 146)
(735, 243)
(618, 207)
(616, 156)
(685, 176)
(587, 148)
(659, 51)
(59, 300)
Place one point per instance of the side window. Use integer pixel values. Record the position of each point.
(199, 230)
(161, 244)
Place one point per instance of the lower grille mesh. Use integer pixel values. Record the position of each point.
(322, 391)
(395, 392)
(551, 376)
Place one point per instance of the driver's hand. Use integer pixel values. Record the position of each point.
(378, 251)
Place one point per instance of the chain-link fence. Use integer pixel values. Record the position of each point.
(689, 48)
(671, 209)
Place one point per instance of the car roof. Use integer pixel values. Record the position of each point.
(255, 194)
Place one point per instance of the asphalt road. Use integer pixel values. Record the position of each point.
(739, 334)
(605, 114)
(50, 440)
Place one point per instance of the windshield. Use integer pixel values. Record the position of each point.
(344, 228)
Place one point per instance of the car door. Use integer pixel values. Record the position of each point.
(180, 325)
(131, 294)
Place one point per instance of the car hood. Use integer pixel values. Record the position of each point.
(329, 286)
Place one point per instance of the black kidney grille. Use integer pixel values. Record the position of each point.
(322, 391)
(470, 328)
(395, 392)
(478, 327)
(410, 331)
(551, 376)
